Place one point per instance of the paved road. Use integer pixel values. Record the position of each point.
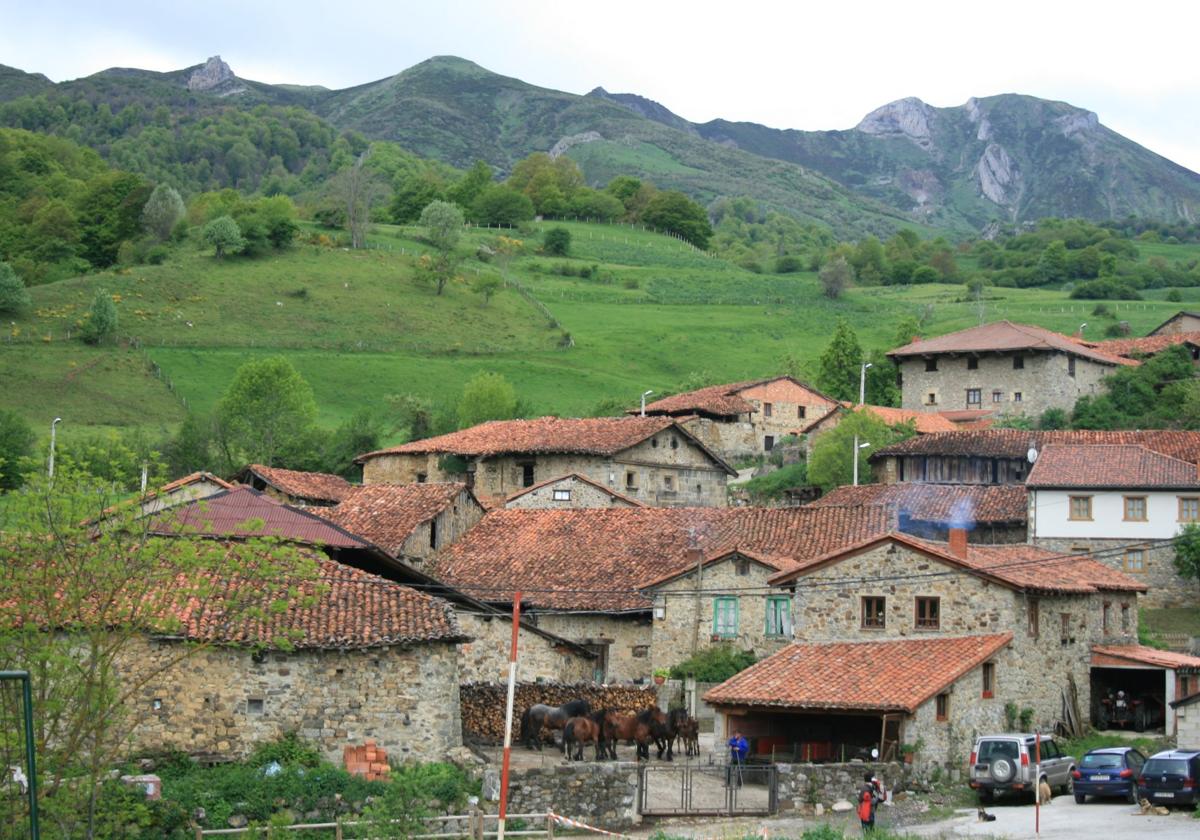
(1066, 820)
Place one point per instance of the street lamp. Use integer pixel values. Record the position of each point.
(1081, 326)
(53, 435)
(857, 446)
(862, 383)
(644, 395)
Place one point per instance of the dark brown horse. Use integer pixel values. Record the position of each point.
(688, 731)
(584, 730)
(540, 715)
(662, 730)
(622, 727)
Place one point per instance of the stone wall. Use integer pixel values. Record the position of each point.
(581, 494)
(792, 407)
(1166, 587)
(947, 743)
(802, 786)
(483, 703)
(459, 517)
(623, 639)
(485, 657)
(223, 701)
(734, 440)
(601, 794)
(1043, 383)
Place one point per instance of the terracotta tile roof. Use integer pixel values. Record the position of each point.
(1015, 443)
(883, 676)
(321, 487)
(719, 399)
(247, 513)
(166, 490)
(387, 514)
(349, 609)
(1146, 346)
(1112, 465)
(588, 436)
(1018, 566)
(1145, 655)
(605, 553)
(1005, 336)
(576, 477)
(926, 422)
(949, 503)
(969, 418)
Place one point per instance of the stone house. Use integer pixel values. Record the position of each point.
(1001, 456)
(1010, 368)
(745, 419)
(651, 459)
(569, 491)
(411, 522)
(304, 489)
(600, 576)
(197, 485)
(989, 513)
(924, 423)
(1123, 503)
(387, 669)
(1181, 322)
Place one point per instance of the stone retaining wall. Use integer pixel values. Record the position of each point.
(803, 786)
(602, 794)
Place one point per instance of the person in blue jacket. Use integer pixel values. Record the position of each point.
(739, 748)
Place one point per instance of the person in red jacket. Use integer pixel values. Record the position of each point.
(869, 796)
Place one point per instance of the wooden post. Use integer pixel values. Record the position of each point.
(508, 715)
(199, 833)
(549, 827)
(337, 829)
(475, 823)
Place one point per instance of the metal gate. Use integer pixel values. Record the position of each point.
(18, 765)
(708, 789)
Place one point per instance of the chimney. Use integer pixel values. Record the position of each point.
(958, 542)
(694, 555)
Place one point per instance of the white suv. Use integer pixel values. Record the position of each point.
(1006, 763)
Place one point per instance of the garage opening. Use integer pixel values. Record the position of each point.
(816, 737)
(1143, 706)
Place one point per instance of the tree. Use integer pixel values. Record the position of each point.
(835, 277)
(443, 223)
(501, 205)
(1052, 264)
(13, 295)
(487, 285)
(676, 213)
(414, 415)
(190, 450)
(1187, 552)
(224, 235)
(557, 242)
(486, 396)
(359, 434)
(413, 194)
(16, 444)
(111, 213)
(162, 211)
(101, 319)
(359, 188)
(266, 410)
(839, 368)
(468, 188)
(832, 461)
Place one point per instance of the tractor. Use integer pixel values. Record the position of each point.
(1120, 709)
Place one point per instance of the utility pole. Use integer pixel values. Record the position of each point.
(508, 715)
(646, 394)
(53, 436)
(857, 446)
(862, 382)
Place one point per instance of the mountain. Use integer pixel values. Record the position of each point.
(1010, 157)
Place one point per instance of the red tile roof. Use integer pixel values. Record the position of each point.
(595, 558)
(1017, 566)
(320, 487)
(577, 477)
(167, 489)
(924, 422)
(720, 399)
(247, 513)
(1015, 443)
(949, 503)
(588, 436)
(1005, 336)
(1112, 465)
(1146, 346)
(883, 676)
(387, 514)
(1145, 656)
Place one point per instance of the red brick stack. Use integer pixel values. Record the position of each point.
(368, 761)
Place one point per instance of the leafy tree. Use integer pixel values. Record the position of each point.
(101, 321)
(359, 434)
(358, 188)
(839, 368)
(162, 212)
(835, 277)
(224, 235)
(13, 295)
(1187, 552)
(501, 205)
(1052, 264)
(486, 285)
(413, 194)
(191, 448)
(443, 223)
(1053, 418)
(468, 188)
(587, 203)
(557, 242)
(676, 213)
(266, 410)
(714, 664)
(414, 415)
(881, 380)
(908, 329)
(486, 396)
(832, 461)
(16, 444)
(110, 213)
(266, 223)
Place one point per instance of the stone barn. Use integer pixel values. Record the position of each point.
(303, 489)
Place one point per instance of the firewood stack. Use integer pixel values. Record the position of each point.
(483, 703)
(368, 761)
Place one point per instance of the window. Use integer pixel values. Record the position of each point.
(929, 613)
(779, 615)
(156, 704)
(742, 567)
(1081, 508)
(674, 442)
(873, 612)
(1070, 366)
(943, 707)
(989, 679)
(630, 480)
(1125, 617)
(1104, 617)
(527, 475)
(699, 489)
(562, 495)
(1134, 560)
(1016, 396)
(931, 398)
(974, 397)
(769, 442)
(1018, 362)
(997, 396)
(1081, 549)
(767, 409)
(1135, 508)
(433, 533)
(254, 706)
(640, 651)
(422, 478)
(930, 365)
(972, 363)
(1064, 635)
(725, 617)
(669, 483)
(800, 412)
(1034, 619)
(654, 443)
(1189, 509)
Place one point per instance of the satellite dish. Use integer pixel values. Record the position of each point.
(1031, 455)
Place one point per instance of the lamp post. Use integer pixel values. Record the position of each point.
(1081, 326)
(862, 383)
(644, 395)
(53, 435)
(857, 446)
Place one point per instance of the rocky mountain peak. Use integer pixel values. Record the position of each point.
(907, 117)
(214, 74)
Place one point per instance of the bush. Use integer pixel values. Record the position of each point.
(788, 264)
(1102, 311)
(1118, 330)
(13, 294)
(557, 242)
(1106, 288)
(157, 255)
(773, 485)
(1175, 296)
(715, 664)
(102, 319)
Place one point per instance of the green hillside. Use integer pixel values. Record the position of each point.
(360, 326)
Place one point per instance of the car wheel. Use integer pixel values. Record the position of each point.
(1069, 784)
(1133, 794)
(1080, 798)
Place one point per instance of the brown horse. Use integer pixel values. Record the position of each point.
(584, 730)
(621, 727)
(662, 729)
(540, 716)
(689, 732)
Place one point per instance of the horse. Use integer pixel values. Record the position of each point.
(540, 715)
(676, 720)
(584, 730)
(689, 731)
(661, 729)
(620, 727)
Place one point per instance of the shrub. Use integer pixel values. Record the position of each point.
(630, 283)
(788, 264)
(773, 485)
(1101, 310)
(1175, 296)
(557, 241)
(1106, 288)
(715, 664)
(1118, 330)
(13, 294)
(157, 255)
(102, 319)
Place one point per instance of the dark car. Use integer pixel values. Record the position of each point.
(1111, 771)
(1171, 777)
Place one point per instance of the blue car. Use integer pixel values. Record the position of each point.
(1112, 771)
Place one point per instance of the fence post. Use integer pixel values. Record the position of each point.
(199, 833)
(337, 829)
(475, 823)
(550, 827)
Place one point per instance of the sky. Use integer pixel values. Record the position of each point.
(793, 64)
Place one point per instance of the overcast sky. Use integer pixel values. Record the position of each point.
(787, 64)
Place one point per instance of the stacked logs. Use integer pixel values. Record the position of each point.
(483, 703)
